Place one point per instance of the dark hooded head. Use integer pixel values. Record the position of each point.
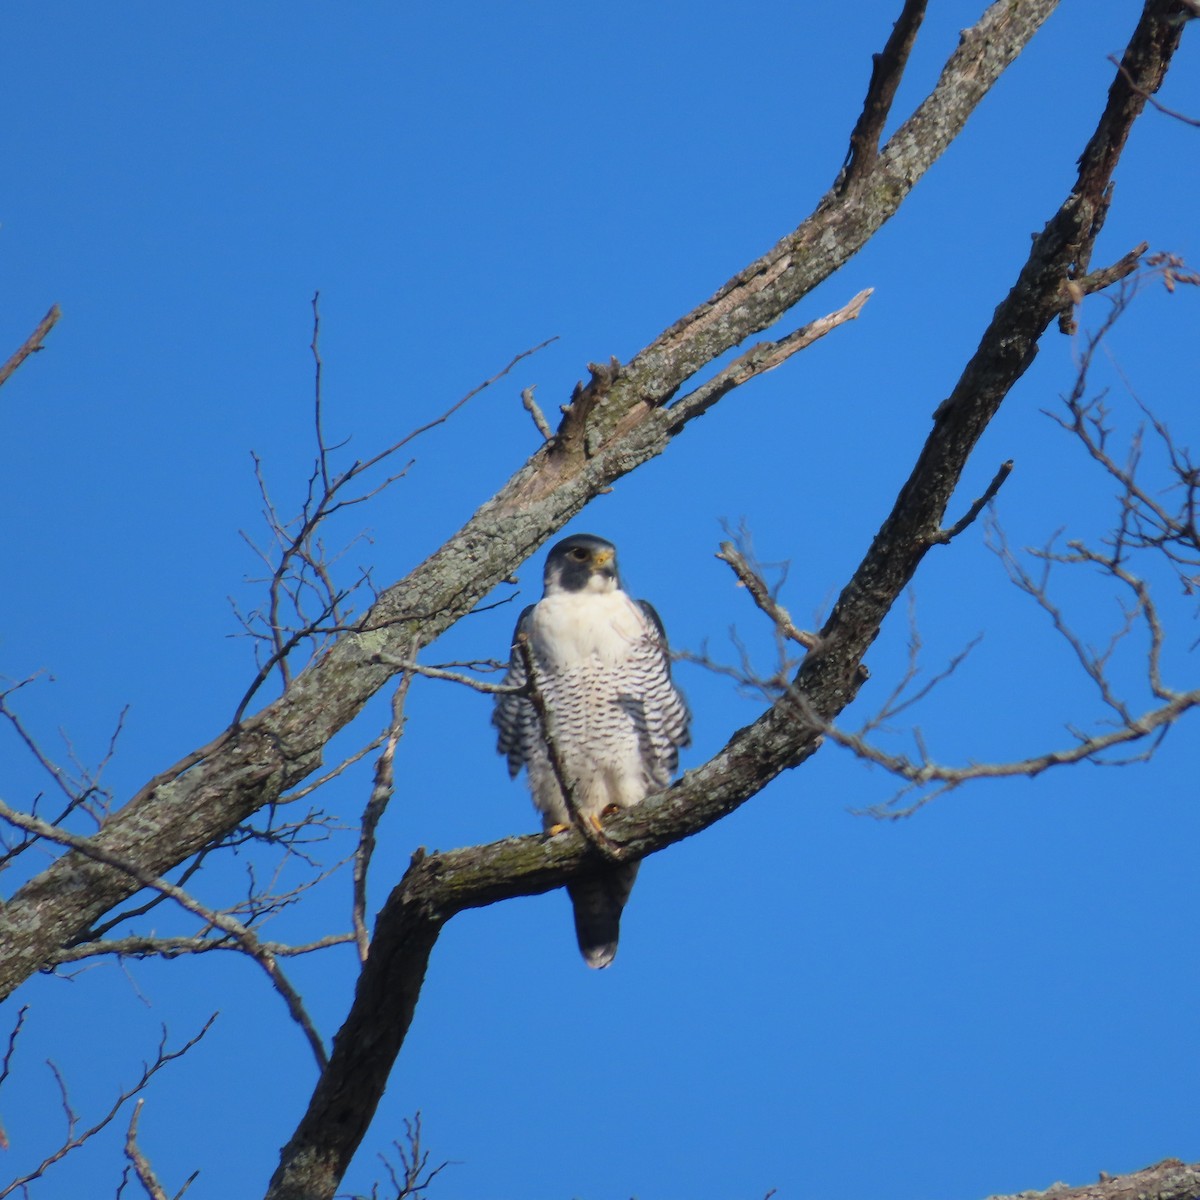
(582, 563)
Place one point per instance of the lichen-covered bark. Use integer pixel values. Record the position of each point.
(1170, 1179)
(211, 791)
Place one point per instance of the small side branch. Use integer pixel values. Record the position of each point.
(754, 584)
(761, 358)
(141, 1164)
(415, 1174)
(887, 69)
(304, 603)
(943, 536)
(6, 1065)
(534, 410)
(381, 794)
(923, 773)
(32, 344)
(136, 946)
(1145, 95)
(416, 668)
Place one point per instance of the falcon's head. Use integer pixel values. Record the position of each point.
(582, 563)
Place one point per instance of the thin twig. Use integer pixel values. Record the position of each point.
(416, 668)
(74, 1137)
(141, 1164)
(1089, 749)
(887, 69)
(136, 946)
(245, 936)
(381, 794)
(315, 347)
(1148, 97)
(302, 564)
(761, 358)
(945, 536)
(348, 761)
(761, 595)
(534, 410)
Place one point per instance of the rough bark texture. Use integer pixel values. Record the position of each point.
(1167, 1180)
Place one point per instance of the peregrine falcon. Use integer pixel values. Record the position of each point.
(616, 719)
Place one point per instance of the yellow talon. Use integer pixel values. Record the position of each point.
(556, 829)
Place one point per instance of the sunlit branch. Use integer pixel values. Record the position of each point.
(382, 791)
(1088, 749)
(408, 666)
(32, 344)
(136, 946)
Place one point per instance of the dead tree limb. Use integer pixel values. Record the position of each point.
(1170, 1179)
(32, 344)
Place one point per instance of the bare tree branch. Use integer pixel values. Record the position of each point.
(415, 1172)
(138, 1160)
(6, 1065)
(32, 344)
(303, 564)
(539, 417)
(75, 1136)
(1170, 1179)
(136, 946)
(381, 794)
(245, 937)
(886, 72)
(943, 536)
(409, 667)
(1090, 749)
(751, 579)
(625, 415)
(1162, 108)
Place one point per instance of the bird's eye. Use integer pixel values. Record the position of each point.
(579, 554)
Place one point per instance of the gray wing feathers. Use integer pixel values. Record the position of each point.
(666, 720)
(514, 716)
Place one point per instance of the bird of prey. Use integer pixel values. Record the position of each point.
(615, 718)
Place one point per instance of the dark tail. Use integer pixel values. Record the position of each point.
(598, 901)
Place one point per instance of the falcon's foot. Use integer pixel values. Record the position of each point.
(609, 810)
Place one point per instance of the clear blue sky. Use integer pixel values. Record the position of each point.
(995, 994)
